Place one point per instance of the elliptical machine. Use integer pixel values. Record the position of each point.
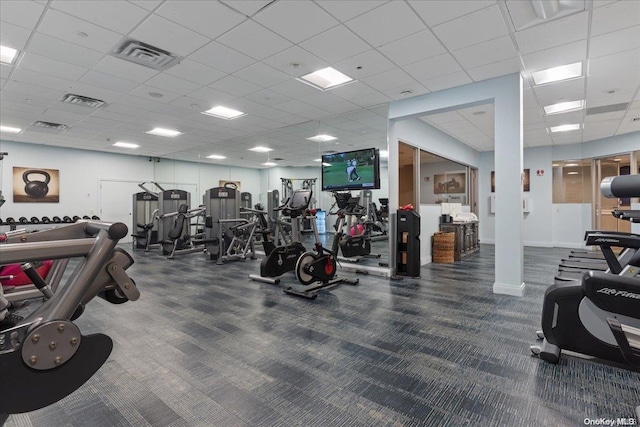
(279, 260)
(355, 244)
(600, 315)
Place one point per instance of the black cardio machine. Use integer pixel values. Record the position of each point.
(281, 259)
(357, 245)
(599, 315)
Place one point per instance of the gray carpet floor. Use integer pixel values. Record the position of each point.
(204, 346)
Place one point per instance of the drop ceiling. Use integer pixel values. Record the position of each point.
(246, 55)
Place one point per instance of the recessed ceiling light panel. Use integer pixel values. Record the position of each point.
(557, 74)
(164, 132)
(216, 157)
(269, 164)
(322, 138)
(260, 149)
(564, 107)
(7, 54)
(565, 128)
(122, 144)
(9, 129)
(325, 79)
(224, 113)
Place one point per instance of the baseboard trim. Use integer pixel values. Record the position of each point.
(516, 291)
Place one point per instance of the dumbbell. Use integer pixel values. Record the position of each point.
(86, 217)
(75, 218)
(10, 220)
(23, 220)
(56, 220)
(66, 219)
(45, 220)
(35, 220)
(95, 218)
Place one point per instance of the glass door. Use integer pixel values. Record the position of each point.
(604, 220)
(407, 175)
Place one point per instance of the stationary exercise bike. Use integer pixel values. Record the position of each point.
(316, 270)
(281, 259)
(600, 315)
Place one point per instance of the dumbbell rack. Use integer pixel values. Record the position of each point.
(15, 224)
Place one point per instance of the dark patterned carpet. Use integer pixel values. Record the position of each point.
(204, 346)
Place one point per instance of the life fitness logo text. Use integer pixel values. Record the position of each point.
(618, 293)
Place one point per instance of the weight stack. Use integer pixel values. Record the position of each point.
(408, 244)
(444, 247)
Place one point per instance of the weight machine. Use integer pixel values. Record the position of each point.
(145, 217)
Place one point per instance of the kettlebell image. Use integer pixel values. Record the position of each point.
(34, 188)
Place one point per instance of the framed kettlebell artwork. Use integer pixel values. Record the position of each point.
(36, 185)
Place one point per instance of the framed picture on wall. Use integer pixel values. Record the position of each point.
(525, 181)
(36, 185)
(223, 183)
(448, 183)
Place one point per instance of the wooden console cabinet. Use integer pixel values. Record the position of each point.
(466, 242)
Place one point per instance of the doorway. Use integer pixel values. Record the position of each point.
(407, 174)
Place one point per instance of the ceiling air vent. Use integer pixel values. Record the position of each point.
(277, 159)
(49, 125)
(145, 54)
(635, 119)
(607, 108)
(84, 101)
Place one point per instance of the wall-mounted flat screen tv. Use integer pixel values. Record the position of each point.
(351, 170)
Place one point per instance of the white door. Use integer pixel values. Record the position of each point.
(116, 203)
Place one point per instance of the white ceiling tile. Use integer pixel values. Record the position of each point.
(69, 28)
(235, 86)
(28, 90)
(614, 42)
(52, 47)
(146, 4)
(556, 56)
(5, 70)
(164, 34)
(173, 84)
(496, 69)
(110, 115)
(295, 21)
(172, 110)
(95, 92)
(569, 90)
(321, 99)
(208, 18)
(18, 109)
(601, 99)
(555, 33)
(271, 114)
(33, 62)
(436, 12)
(267, 97)
(209, 96)
(143, 92)
(14, 36)
(445, 82)
(433, 67)
(487, 24)
(353, 90)
(262, 75)
(42, 80)
(195, 72)
(221, 58)
(564, 118)
(124, 69)
(118, 16)
(386, 23)
(615, 16)
(335, 44)
(293, 106)
(254, 40)
(245, 105)
(617, 116)
(389, 80)
(487, 52)
(629, 61)
(293, 89)
(345, 10)
(418, 46)
(365, 64)
(247, 8)
(23, 13)
(108, 81)
(370, 100)
(306, 62)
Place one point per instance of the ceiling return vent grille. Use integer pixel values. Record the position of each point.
(144, 54)
(84, 101)
(607, 108)
(50, 125)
